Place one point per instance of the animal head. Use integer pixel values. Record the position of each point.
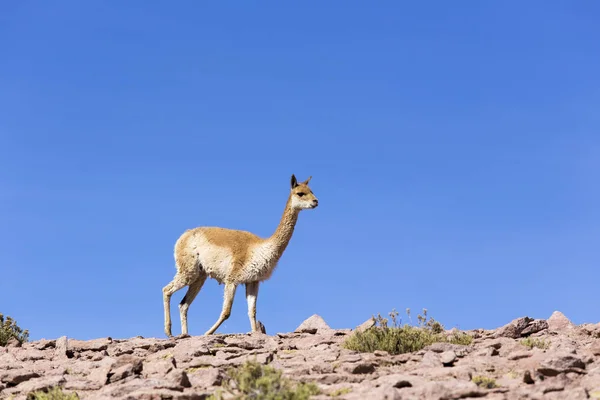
(302, 196)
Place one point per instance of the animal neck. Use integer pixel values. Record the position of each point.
(282, 235)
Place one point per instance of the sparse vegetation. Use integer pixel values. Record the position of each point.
(55, 393)
(255, 381)
(535, 342)
(9, 329)
(398, 338)
(484, 382)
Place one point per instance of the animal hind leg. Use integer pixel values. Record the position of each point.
(192, 292)
(251, 295)
(227, 303)
(173, 286)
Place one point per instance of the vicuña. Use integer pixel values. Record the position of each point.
(232, 257)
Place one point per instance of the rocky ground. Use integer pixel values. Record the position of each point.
(567, 366)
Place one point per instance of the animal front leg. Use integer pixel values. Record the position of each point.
(251, 295)
(227, 303)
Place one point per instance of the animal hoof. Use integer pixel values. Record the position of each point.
(183, 336)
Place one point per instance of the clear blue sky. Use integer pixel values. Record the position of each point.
(454, 148)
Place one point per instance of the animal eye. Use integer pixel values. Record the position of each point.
(300, 194)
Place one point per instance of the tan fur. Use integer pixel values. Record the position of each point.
(232, 257)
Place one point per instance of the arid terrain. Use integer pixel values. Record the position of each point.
(526, 359)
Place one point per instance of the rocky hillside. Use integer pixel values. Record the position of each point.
(526, 359)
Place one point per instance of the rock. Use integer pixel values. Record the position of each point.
(16, 376)
(89, 345)
(368, 324)
(431, 359)
(61, 347)
(517, 355)
(179, 378)
(527, 378)
(560, 363)
(125, 367)
(205, 378)
(534, 326)
(194, 367)
(514, 328)
(13, 342)
(360, 368)
(558, 322)
(37, 384)
(261, 327)
(313, 325)
(158, 367)
(448, 358)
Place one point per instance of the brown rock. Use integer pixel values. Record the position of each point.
(179, 378)
(313, 325)
(16, 376)
(527, 378)
(448, 358)
(37, 384)
(514, 328)
(535, 326)
(261, 327)
(13, 342)
(359, 368)
(61, 347)
(124, 367)
(560, 363)
(368, 324)
(89, 345)
(431, 359)
(158, 367)
(558, 322)
(517, 355)
(205, 377)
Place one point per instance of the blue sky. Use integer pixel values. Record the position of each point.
(454, 150)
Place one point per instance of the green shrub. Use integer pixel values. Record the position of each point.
(484, 382)
(255, 381)
(533, 342)
(9, 329)
(55, 393)
(398, 339)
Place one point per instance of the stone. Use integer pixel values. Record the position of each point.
(535, 326)
(124, 367)
(61, 347)
(517, 355)
(560, 363)
(17, 376)
(431, 359)
(195, 366)
(368, 324)
(205, 377)
(89, 345)
(360, 368)
(313, 325)
(558, 322)
(261, 327)
(448, 358)
(514, 328)
(13, 342)
(179, 378)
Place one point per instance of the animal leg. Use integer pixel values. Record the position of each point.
(187, 300)
(251, 295)
(168, 291)
(227, 303)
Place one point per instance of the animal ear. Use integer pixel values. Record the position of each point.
(294, 181)
(308, 180)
